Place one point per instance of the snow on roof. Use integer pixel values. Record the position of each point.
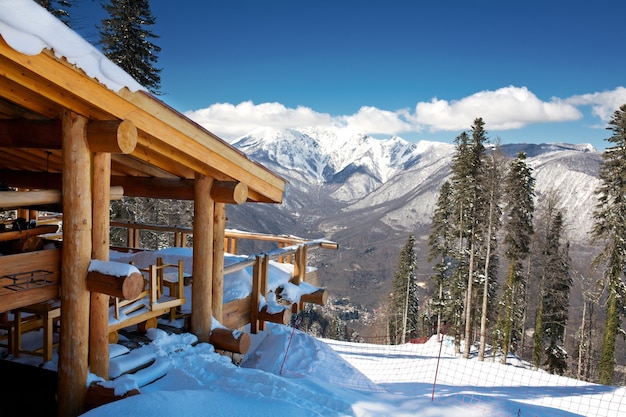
(29, 28)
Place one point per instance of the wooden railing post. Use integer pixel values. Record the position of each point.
(99, 317)
(257, 272)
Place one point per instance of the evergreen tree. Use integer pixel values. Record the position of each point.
(519, 208)
(474, 201)
(461, 201)
(555, 283)
(403, 301)
(125, 39)
(59, 8)
(609, 226)
(440, 243)
(490, 179)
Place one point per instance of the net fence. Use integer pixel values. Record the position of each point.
(434, 367)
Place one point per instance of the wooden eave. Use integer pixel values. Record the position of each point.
(169, 145)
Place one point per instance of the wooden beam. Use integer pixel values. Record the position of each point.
(231, 192)
(174, 188)
(76, 256)
(22, 234)
(25, 133)
(112, 136)
(133, 186)
(10, 200)
(177, 189)
(202, 285)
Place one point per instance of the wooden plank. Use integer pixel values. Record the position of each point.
(137, 318)
(236, 314)
(13, 300)
(23, 234)
(48, 260)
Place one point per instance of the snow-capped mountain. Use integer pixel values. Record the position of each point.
(369, 195)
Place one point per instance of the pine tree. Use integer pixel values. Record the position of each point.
(519, 208)
(490, 178)
(609, 227)
(125, 39)
(440, 243)
(403, 301)
(475, 202)
(59, 8)
(555, 295)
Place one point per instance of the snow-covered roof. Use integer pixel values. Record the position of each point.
(29, 28)
(50, 69)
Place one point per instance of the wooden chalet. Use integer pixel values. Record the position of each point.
(72, 141)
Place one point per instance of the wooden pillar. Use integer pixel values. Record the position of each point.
(219, 230)
(202, 285)
(99, 314)
(77, 224)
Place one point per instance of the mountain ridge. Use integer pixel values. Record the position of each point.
(369, 194)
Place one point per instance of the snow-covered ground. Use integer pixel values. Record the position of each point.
(289, 373)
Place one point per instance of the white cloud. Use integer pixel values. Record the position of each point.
(603, 104)
(372, 120)
(232, 121)
(503, 109)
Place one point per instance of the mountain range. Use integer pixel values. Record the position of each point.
(370, 194)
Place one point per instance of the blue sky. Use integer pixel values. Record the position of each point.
(535, 71)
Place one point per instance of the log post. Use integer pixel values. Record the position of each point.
(77, 225)
(99, 318)
(202, 286)
(219, 226)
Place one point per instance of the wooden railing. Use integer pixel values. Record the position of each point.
(287, 249)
